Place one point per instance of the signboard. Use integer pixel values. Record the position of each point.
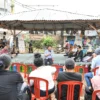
(90, 33)
(21, 45)
(78, 40)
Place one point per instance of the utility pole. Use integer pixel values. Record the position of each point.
(12, 6)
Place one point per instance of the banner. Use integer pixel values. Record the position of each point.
(21, 45)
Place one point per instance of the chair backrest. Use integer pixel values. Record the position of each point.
(18, 66)
(94, 94)
(70, 89)
(58, 67)
(32, 66)
(77, 69)
(37, 86)
(95, 69)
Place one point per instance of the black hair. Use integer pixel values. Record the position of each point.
(79, 46)
(49, 46)
(5, 61)
(38, 60)
(69, 63)
(70, 66)
(66, 41)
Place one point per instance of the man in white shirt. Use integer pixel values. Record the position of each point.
(48, 56)
(44, 72)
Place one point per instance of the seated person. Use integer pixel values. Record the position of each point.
(88, 57)
(5, 50)
(73, 51)
(8, 79)
(79, 54)
(95, 82)
(69, 75)
(95, 63)
(44, 72)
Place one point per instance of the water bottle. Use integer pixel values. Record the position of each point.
(14, 68)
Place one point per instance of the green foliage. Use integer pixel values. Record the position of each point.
(49, 41)
(27, 38)
(37, 44)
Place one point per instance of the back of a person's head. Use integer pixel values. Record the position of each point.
(97, 51)
(69, 64)
(5, 61)
(79, 46)
(38, 60)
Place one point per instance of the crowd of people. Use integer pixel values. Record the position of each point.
(12, 86)
(77, 52)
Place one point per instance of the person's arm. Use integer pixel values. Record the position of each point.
(93, 65)
(52, 53)
(51, 69)
(81, 53)
(19, 78)
(46, 53)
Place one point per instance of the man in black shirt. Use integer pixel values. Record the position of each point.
(8, 80)
(69, 75)
(79, 54)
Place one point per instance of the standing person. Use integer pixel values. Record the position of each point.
(49, 56)
(69, 75)
(67, 48)
(30, 47)
(79, 54)
(4, 41)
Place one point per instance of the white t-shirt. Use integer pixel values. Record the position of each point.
(44, 72)
(74, 50)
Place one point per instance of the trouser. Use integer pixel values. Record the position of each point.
(81, 58)
(88, 77)
(43, 93)
(88, 94)
(48, 61)
(30, 50)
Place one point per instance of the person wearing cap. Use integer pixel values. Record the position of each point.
(69, 75)
(95, 63)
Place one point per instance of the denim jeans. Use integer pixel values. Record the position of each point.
(88, 77)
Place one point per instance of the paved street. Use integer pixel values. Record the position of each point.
(28, 58)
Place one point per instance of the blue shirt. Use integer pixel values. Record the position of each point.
(95, 62)
(48, 52)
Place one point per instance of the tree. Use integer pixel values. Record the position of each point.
(49, 41)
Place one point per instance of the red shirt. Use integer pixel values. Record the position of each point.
(4, 51)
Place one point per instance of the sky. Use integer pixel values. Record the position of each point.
(91, 7)
(88, 7)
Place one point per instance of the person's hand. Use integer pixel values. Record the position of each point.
(49, 54)
(52, 59)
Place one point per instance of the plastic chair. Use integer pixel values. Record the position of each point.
(32, 66)
(77, 69)
(37, 88)
(95, 69)
(70, 89)
(18, 68)
(58, 67)
(94, 94)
